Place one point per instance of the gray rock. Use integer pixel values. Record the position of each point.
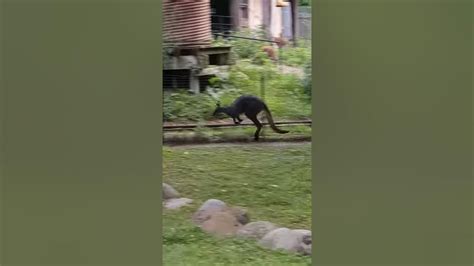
(169, 192)
(256, 230)
(241, 214)
(221, 224)
(208, 208)
(214, 209)
(212, 204)
(177, 203)
(290, 240)
(306, 241)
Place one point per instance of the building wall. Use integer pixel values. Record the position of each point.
(255, 13)
(277, 20)
(256, 16)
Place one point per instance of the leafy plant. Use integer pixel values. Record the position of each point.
(304, 2)
(307, 80)
(247, 49)
(182, 105)
(295, 56)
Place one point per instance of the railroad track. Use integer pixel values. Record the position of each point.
(181, 127)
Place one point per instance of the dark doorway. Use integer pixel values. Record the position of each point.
(176, 79)
(221, 20)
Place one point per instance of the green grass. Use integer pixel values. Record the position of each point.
(295, 56)
(240, 175)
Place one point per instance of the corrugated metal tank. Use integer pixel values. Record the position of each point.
(187, 22)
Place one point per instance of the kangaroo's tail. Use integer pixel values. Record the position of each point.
(272, 124)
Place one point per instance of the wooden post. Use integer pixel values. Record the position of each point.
(235, 14)
(280, 52)
(266, 6)
(174, 81)
(294, 20)
(262, 95)
(194, 81)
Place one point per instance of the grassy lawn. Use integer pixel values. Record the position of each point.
(272, 181)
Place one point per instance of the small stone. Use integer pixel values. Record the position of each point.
(177, 203)
(256, 230)
(169, 192)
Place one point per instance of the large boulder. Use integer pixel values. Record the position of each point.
(221, 224)
(256, 230)
(290, 240)
(215, 217)
(208, 208)
(212, 206)
(240, 214)
(169, 192)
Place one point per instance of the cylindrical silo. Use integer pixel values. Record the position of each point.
(187, 22)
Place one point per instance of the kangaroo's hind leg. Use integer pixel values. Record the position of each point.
(257, 124)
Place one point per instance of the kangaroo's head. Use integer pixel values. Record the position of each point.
(218, 109)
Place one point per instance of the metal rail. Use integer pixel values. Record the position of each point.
(228, 125)
(241, 37)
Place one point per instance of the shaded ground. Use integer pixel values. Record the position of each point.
(236, 134)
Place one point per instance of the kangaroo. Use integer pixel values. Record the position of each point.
(251, 106)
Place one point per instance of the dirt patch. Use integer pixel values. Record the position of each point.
(297, 71)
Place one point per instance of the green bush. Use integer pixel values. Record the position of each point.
(261, 59)
(295, 56)
(247, 49)
(304, 2)
(307, 80)
(286, 98)
(284, 94)
(183, 105)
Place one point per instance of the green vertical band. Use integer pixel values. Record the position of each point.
(82, 133)
(392, 132)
